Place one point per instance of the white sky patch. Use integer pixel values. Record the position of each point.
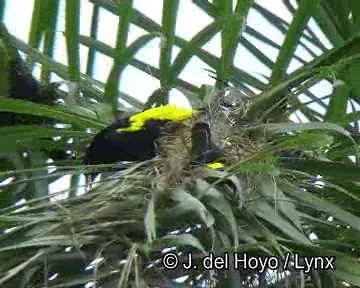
(134, 33)
(150, 54)
(256, 21)
(21, 202)
(298, 117)
(315, 49)
(138, 84)
(214, 46)
(294, 65)
(107, 28)
(303, 53)
(94, 263)
(174, 53)
(178, 98)
(313, 236)
(82, 186)
(320, 35)
(198, 75)
(57, 187)
(89, 285)
(249, 63)
(18, 28)
(84, 58)
(181, 279)
(103, 65)
(9, 230)
(190, 20)
(270, 51)
(86, 8)
(7, 181)
(152, 9)
(277, 7)
(60, 46)
(53, 276)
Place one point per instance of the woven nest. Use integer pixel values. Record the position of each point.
(176, 155)
(227, 131)
(175, 149)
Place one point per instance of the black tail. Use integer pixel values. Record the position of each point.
(203, 148)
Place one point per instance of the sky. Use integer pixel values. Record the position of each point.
(190, 20)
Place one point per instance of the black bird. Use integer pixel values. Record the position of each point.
(136, 138)
(203, 148)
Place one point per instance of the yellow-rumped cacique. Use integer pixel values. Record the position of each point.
(137, 138)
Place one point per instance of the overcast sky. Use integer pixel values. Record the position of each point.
(190, 20)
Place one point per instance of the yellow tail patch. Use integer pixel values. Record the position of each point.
(215, 165)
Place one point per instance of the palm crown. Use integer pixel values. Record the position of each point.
(289, 191)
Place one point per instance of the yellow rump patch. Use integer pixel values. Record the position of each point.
(168, 112)
(215, 165)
